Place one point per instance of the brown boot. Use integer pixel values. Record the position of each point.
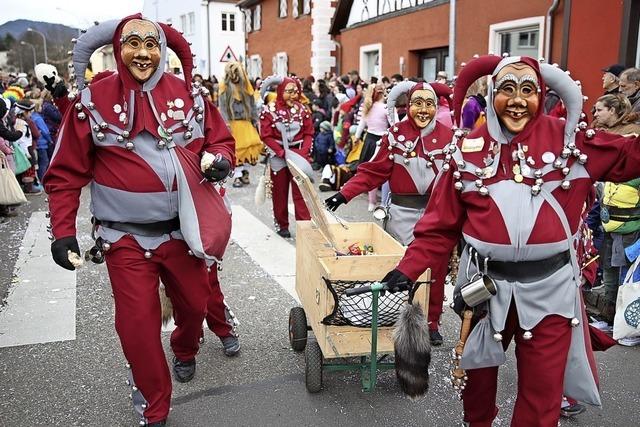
(608, 313)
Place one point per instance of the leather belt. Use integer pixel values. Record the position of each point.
(615, 210)
(413, 201)
(151, 229)
(527, 271)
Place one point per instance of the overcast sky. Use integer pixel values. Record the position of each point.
(74, 13)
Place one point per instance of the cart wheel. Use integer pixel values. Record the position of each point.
(297, 329)
(313, 367)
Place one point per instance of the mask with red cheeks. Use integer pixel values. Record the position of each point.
(422, 107)
(290, 94)
(516, 98)
(140, 48)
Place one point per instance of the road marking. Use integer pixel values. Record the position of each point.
(272, 253)
(41, 306)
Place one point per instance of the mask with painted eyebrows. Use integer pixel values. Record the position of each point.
(140, 48)
(422, 107)
(516, 98)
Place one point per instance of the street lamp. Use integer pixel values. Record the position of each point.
(33, 48)
(44, 39)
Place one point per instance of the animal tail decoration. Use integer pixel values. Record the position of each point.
(412, 348)
(165, 305)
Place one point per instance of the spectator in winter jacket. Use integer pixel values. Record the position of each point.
(52, 117)
(324, 146)
(318, 115)
(43, 144)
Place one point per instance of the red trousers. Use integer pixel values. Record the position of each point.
(540, 363)
(280, 196)
(217, 320)
(436, 299)
(135, 280)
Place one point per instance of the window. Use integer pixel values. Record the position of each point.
(247, 21)
(257, 15)
(282, 10)
(306, 7)
(370, 61)
(228, 21)
(183, 23)
(518, 38)
(255, 66)
(192, 23)
(300, 7)
(280, 64)
(528, 39)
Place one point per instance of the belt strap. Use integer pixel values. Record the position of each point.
(528, 271)
(622, 212)
(152, 229)
(413, 201)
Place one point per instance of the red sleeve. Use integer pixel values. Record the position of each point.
(370, 174)
(307, 134)
(269, 134)
(35, 132)
(611, 157)
(217, 138)
(437, 232)
(71, 169)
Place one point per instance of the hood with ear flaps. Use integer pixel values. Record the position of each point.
(280, 103)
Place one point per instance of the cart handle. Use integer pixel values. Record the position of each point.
(376, 286)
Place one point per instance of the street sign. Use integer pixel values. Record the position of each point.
(228, 55)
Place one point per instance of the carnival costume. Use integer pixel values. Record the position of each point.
(137, 136)
(237, 106)
(409, 157)
(514, 189)
(287, 130)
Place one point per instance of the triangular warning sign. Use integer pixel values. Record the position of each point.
(228, 55)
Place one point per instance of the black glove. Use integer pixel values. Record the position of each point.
(59, 250)
(458, 303)
(397, 282)
(218, 170)
(334, 202)
(57, 90)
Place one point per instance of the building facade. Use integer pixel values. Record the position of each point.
(411, 37)
(288, 36)
(215, 30)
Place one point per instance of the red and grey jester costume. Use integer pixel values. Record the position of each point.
(139, 146)
(517, 200)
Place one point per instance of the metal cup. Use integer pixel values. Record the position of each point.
(380, 213)
(478, 290)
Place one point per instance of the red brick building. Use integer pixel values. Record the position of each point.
(288, 36)
(411, 37)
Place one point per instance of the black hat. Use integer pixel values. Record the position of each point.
(25, 105)
(614, 69)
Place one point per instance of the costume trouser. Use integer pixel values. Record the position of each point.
(280, 195)
(135, 281)
(216, 308)
(540, 363)
(436, 299)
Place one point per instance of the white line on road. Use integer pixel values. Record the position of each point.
(41, 306)
(272, 253)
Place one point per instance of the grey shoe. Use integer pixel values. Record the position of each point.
(231, 345)
(572, 410)
(184, 371)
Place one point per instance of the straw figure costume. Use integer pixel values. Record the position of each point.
(144, 140)
(287, 131)
(237, 106)
(514, 189)
(409, 156)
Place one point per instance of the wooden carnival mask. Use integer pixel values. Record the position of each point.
(422, 107)
(516, 98)
(140, 48)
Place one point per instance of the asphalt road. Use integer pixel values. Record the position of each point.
(82, 381)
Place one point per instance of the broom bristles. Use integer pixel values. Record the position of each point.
(412, 351)
(165, 305)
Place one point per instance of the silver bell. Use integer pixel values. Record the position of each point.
(106, 246)
(582, 159)
(390, 156)
(190, 252)
(575, 322)
(458, 186)
(527, 335)
(462, 164)
(457, 175)
(187, 135)
(557, 164)
(100, 136)
(78, 106)
(565, 153)
(199, 117)
(147, 254)
(590, 133)
(161, 144)
(185, 122)
(127, 365)
(565, 184)
(96, 128)
(125, 133)
(497, 337)
(129, 145)
(484, 191)
(478, 183)
(91, 105)
(429, 164)
(120, 138)
(82, 115)
(406, 161)
(104, 125)
(565, 171)
(479, 172)
(538, 173)
(446, 167)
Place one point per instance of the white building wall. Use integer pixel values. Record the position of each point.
(321, 42)
(196, 34)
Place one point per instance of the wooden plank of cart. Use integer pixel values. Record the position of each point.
(318, 243)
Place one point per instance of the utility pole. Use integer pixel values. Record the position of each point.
(44, 40)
